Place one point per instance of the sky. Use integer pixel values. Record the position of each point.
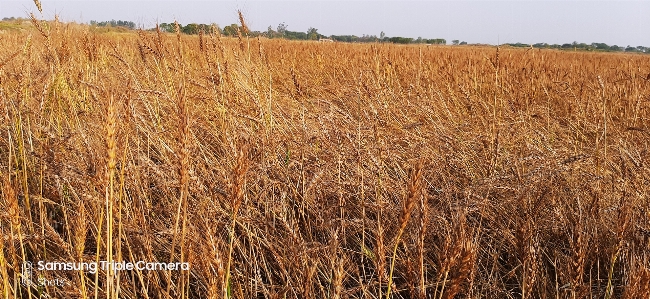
(479, 21)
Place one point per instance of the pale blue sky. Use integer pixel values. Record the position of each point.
(613, 22)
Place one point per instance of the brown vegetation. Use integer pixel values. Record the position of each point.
(283, 169)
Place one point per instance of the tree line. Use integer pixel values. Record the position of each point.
(113, 23)
(585, 47)
(281, 31)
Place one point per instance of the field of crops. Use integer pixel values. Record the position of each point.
(282, 169)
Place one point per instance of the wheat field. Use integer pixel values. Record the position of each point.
(286, 169)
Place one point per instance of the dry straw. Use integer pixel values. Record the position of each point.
(111, 162)
(237, 188)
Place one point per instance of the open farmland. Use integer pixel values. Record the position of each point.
(283, 169)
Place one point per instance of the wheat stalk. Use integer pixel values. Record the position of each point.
(14, 217)
(244, 28)
(237, 189)
(184, 180)
(414, 190)
(111, 162)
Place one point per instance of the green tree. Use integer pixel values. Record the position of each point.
(455, 42)
(230, 30)
(312, 33)
(192, 28)
(165, 27)
(282, 28)
(631, 49)
(400, 40)
(600, 46)
(270, 32)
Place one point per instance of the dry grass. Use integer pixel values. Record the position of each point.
(281, 169)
